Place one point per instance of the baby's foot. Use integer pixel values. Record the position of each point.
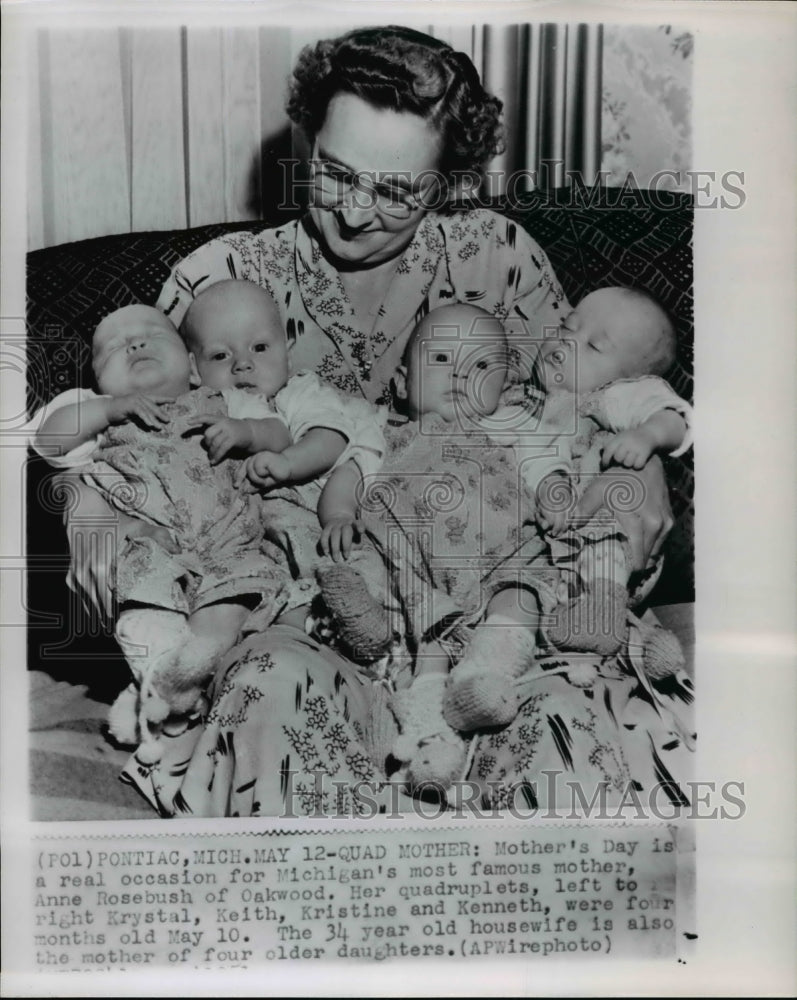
(174, 688)
(662, 655)
(482, 689)
(180, 678)
(433, 752)
(123, 716)
(596, 622)
(146, 636)
(362, 623)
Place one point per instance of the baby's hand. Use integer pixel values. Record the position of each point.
(265, 469)
(556, 501)
(145, 410)
(629, 448)
(339, 534)
(223, 434)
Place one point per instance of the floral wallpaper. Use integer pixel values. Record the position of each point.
(647, 104)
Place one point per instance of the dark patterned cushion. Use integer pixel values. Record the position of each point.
(72, 287)
(604, 238)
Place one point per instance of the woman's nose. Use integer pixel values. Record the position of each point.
(358, 211)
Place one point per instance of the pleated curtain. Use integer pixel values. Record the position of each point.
(130, 130)
(549, 77)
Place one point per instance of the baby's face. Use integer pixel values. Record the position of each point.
(136, 349)
(237, 342)
(458, 371)
(608, 336)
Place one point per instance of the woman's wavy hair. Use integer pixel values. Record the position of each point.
(403, 70)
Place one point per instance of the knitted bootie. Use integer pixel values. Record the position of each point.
(482, 688)
(362, 623)
(433, 752)
(146, 636)
(595, 622)
(381, 731)
(175, 687)
(661, 652)
(123, 716)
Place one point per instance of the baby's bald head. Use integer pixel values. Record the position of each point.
(234, 334)
(455, 364)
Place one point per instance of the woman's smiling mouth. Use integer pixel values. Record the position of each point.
(348, 232)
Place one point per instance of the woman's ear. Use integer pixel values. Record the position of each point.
(398, 383)
(195, 376)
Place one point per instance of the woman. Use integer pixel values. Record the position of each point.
(395, 118)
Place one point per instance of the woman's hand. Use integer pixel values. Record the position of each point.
(640, 502)
(339, 534)
(555, 502)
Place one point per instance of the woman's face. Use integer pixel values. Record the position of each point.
(392, 149)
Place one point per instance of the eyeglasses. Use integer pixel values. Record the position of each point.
(334, 184)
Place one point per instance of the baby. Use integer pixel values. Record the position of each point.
(139, 444)
(604, 367)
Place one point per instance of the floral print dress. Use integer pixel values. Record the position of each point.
(296, 729)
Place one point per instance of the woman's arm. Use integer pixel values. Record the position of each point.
(640, 503)
(227, 256)
(533, 296)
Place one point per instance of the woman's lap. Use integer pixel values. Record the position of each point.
(288, 718)
(293, 730)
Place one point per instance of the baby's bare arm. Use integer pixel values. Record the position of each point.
(338, 511)
(339, 496)
(663, 432)
(312, 455)
(225, 434)
(315, 453)
(666, 429)
(268, 434)
(70, 426)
